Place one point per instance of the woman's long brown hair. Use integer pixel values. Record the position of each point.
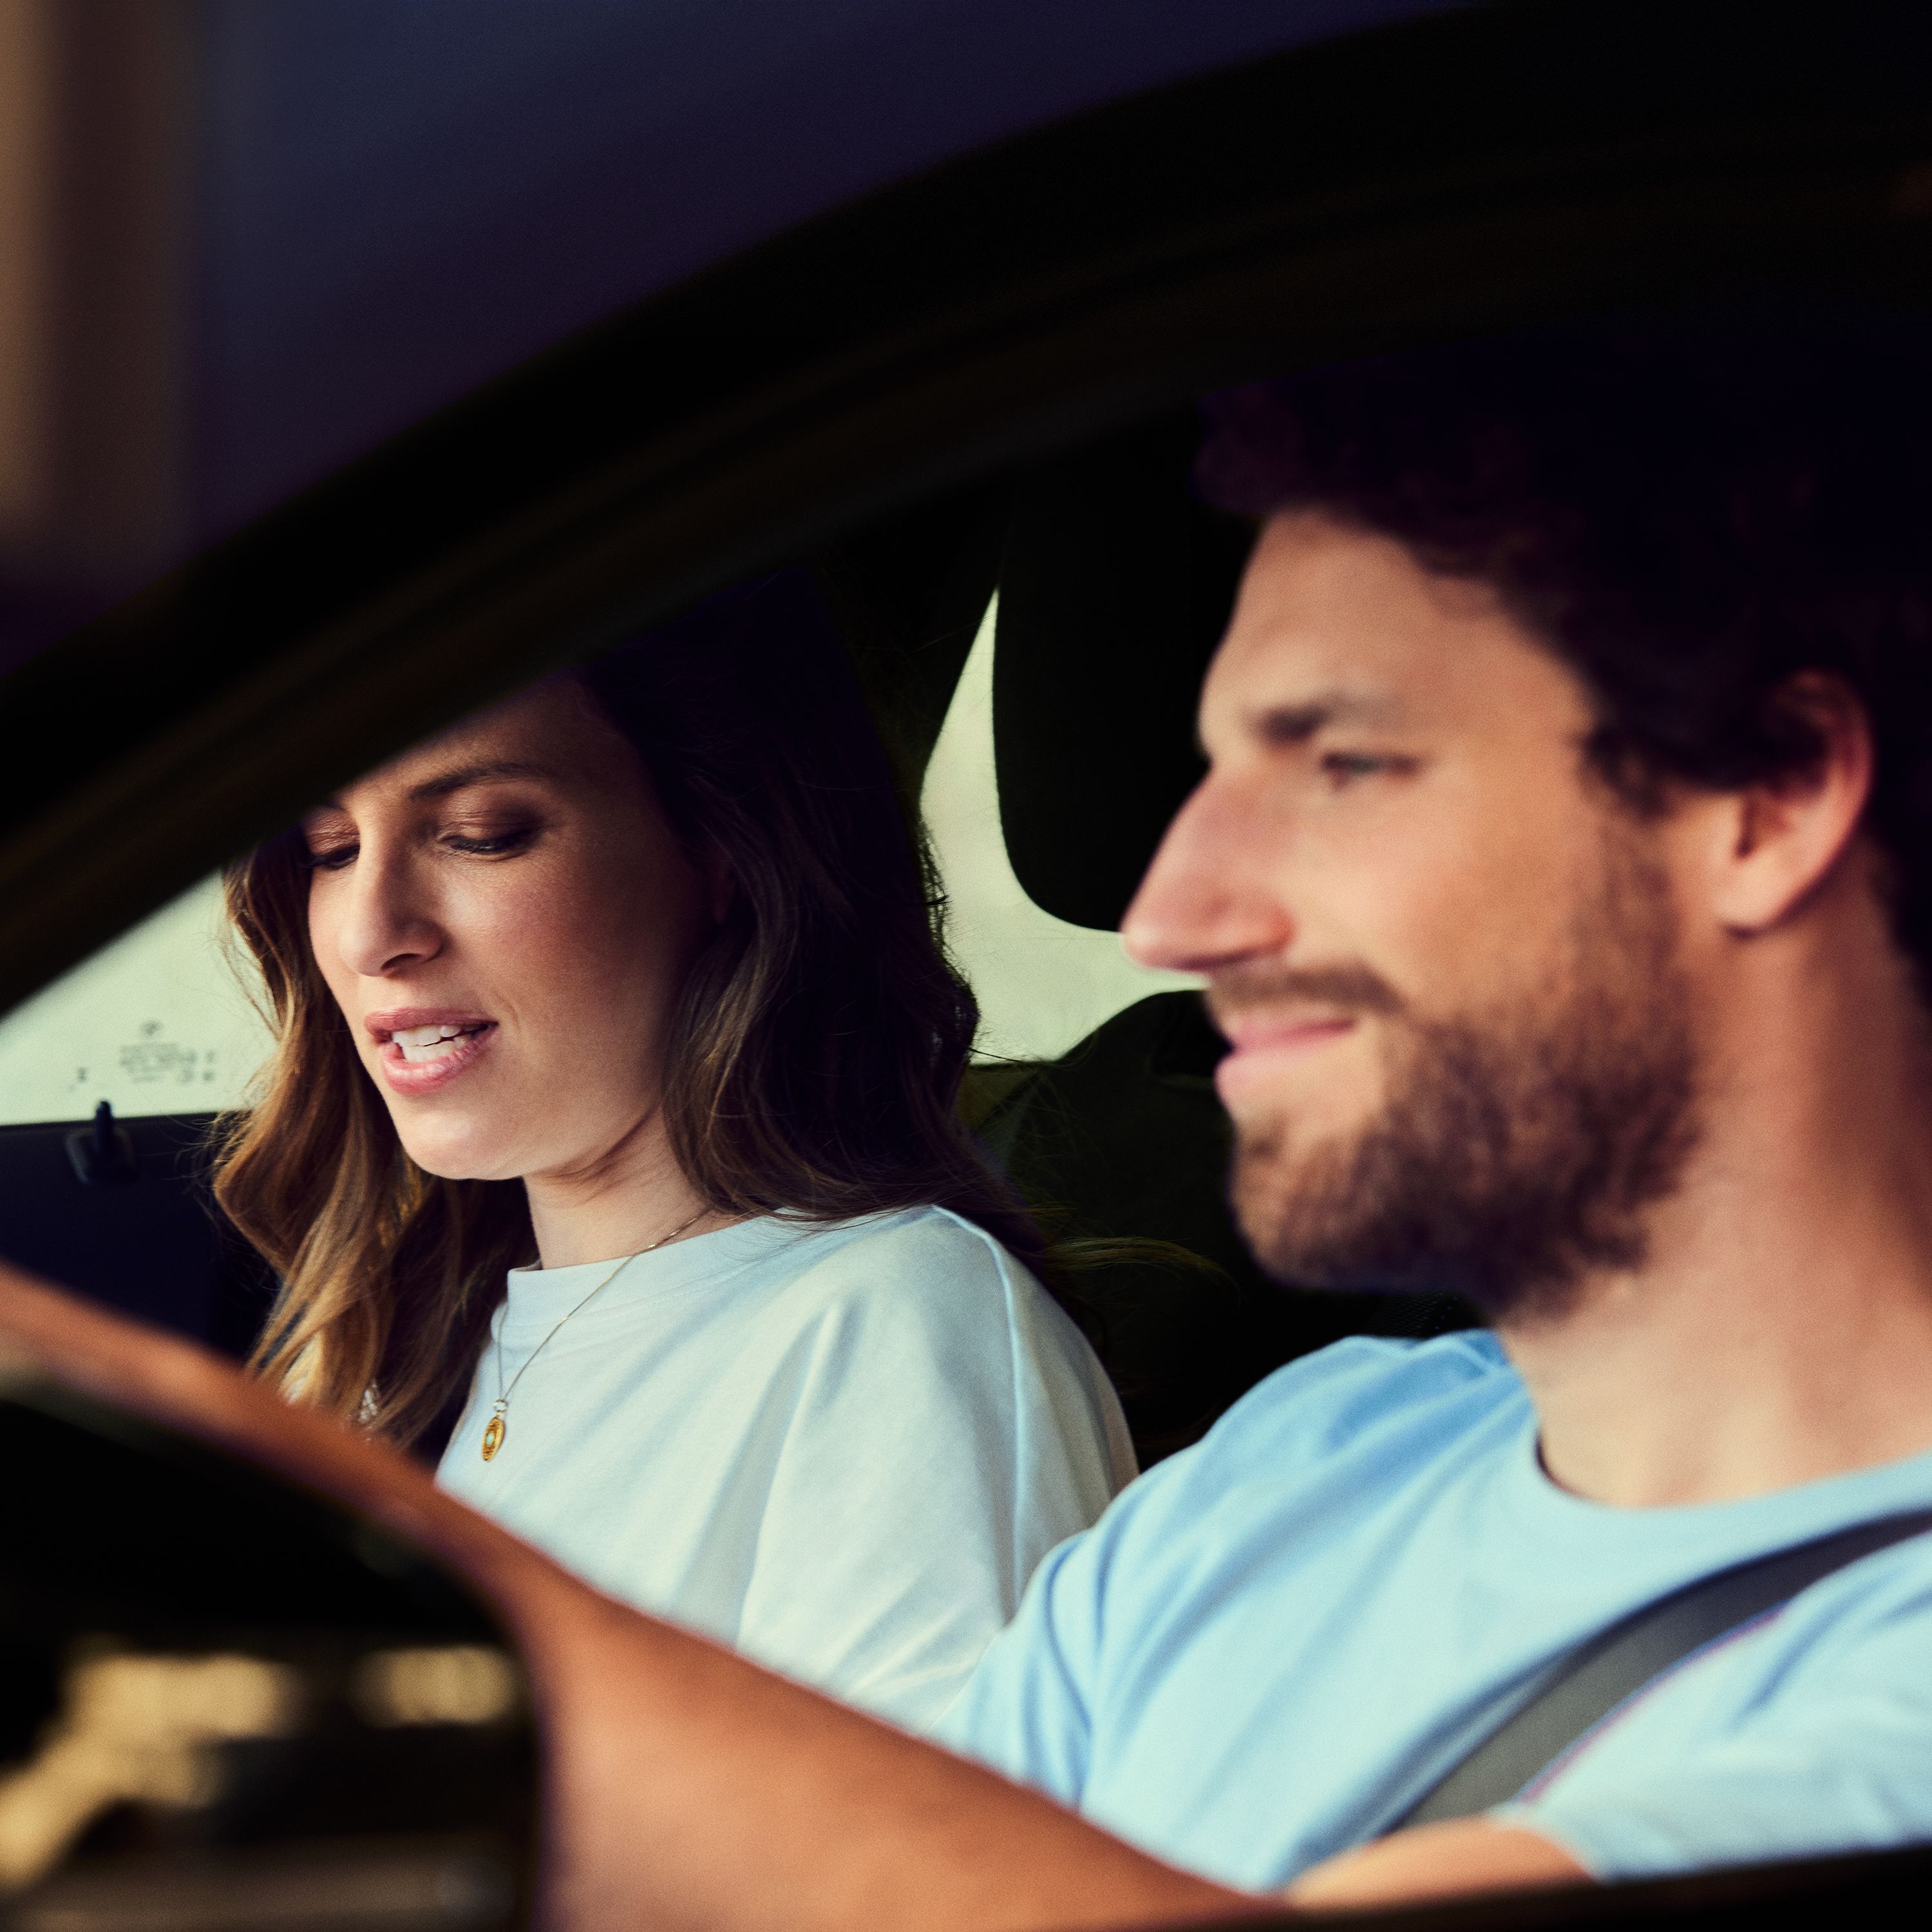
(816, 1053)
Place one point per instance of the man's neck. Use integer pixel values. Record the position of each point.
(1780, 1330)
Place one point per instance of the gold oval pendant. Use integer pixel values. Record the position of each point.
(492, 1437)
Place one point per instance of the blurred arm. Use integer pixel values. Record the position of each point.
(684, 1786)
(1459, 1855)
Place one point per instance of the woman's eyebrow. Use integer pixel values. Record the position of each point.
(446, 782)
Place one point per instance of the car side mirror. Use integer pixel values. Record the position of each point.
(228, 1702)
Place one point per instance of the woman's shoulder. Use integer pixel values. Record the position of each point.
(923, 1299)
(878, 1254)
(920, 1270)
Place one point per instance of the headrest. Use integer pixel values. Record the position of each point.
(1115, 585)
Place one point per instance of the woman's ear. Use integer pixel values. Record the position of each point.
(1774, 841)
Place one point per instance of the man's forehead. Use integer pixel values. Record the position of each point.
(1348, 621)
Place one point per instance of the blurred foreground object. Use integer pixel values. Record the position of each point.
(228, 1701)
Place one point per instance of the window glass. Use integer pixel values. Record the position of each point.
(160, 1022)
(1043, 985)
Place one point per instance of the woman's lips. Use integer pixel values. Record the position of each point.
(1261, 1049)
(421, 1051)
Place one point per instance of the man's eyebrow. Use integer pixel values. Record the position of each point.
(1296, 724)
(444, 783)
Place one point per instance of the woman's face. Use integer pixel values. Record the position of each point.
(505, 919)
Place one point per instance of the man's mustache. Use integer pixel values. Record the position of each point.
(1241, 989)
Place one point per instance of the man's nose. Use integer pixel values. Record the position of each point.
(1206, 901)
(384, 923)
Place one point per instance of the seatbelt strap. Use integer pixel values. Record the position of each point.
(1614, 1667)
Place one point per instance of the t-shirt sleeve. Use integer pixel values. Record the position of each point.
(1028, 1711)
(947, 1426)
(1814, 1741)
(1057, 1701)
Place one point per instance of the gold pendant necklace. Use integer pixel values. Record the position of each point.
(497, 1427)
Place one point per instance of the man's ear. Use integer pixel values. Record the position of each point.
(1777, 840)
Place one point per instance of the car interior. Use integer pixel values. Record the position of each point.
(981, 452)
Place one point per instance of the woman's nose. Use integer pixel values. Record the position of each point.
(383, 924)
(1208, 901)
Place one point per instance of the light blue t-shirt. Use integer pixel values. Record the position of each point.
(1274, 1643)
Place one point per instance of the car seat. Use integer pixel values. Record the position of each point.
(1122, 1146)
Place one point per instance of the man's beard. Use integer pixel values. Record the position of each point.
(1516, 1153)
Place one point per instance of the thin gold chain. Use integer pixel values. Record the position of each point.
(503, 1394)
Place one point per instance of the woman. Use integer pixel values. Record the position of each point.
(613, 1122)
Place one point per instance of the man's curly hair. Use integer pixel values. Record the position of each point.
(1686, 514)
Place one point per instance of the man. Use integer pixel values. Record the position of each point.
(1560, 881)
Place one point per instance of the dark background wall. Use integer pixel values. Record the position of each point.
(241, 241)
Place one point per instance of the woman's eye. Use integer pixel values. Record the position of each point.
(491, 845)
(331, 859)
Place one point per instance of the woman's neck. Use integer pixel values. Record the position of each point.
(632, 1197)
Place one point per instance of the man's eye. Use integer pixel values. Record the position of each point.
(1342, 768)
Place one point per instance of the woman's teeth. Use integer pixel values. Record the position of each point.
(430, 1042)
